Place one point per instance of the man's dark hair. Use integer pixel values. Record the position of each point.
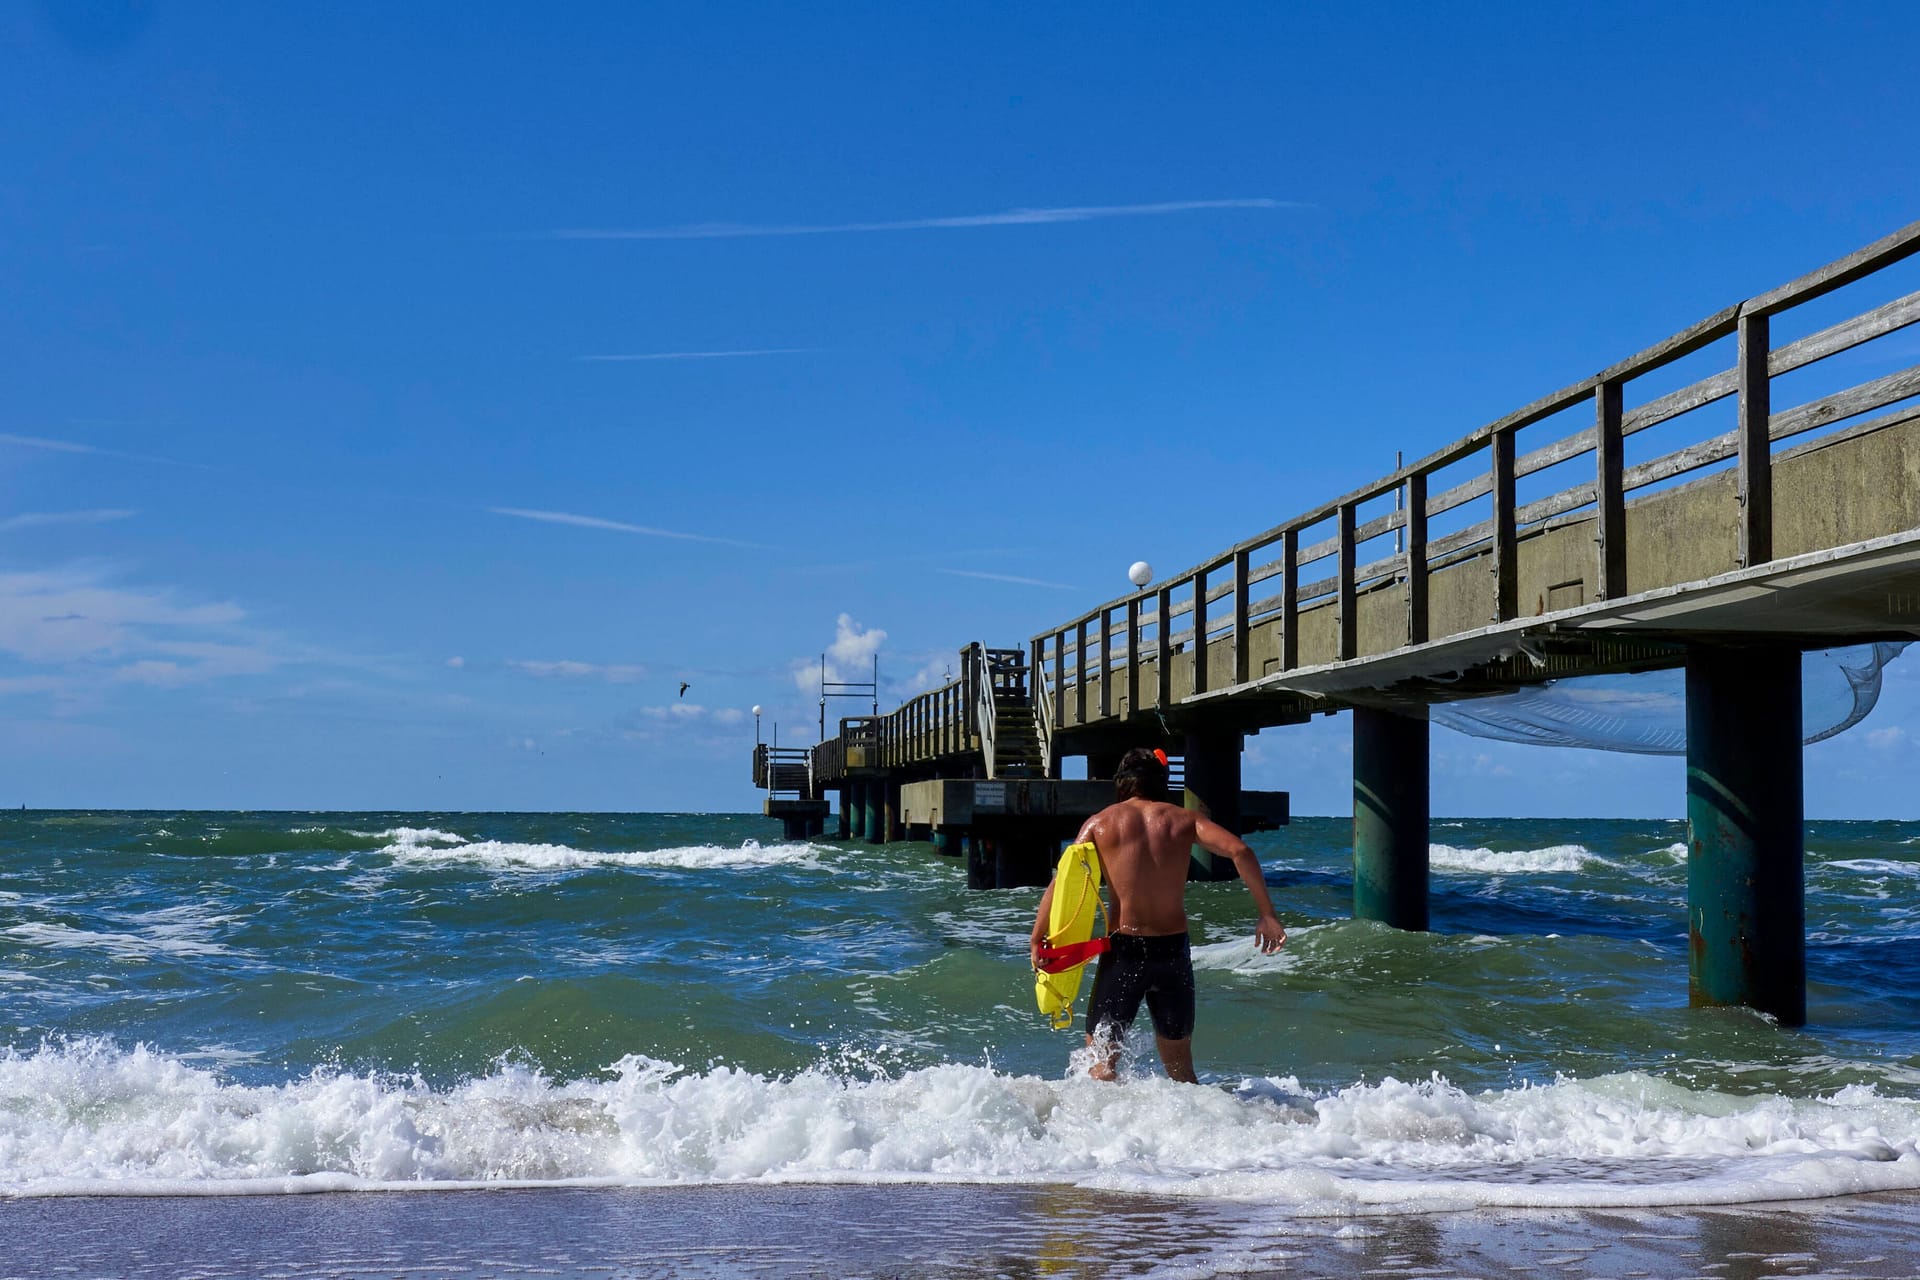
(1140, 775)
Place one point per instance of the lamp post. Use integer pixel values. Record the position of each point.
(756, 724)
(1140, 573)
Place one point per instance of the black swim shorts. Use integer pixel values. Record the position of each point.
(1157, 969)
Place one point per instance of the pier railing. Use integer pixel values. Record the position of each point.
(783, 771)
(1549, 527)
(984, 715)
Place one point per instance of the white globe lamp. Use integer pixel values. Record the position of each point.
(1140, 573)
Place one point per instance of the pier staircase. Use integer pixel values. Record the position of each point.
(1011, 728)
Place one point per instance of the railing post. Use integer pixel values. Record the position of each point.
(1133, 655)
(1349, 600)
(1242, 633)
(1416, 541)
(1199, 632)
(1106, 663)
(1609, 491)
(1080, 673)
(1059, 677)
(1163, 651)
(1755, 441)
(1290, 599)
(1506, 578)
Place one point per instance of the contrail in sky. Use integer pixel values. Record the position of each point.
(34, 519)
(1010, 218)
(702, 355)
(68, 446)
(617, 526)
(1007, 577)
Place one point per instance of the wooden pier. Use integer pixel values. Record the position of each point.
(1530, 550)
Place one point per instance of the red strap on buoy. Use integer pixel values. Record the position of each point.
(1061, 958)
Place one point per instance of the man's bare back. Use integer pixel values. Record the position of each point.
(1145, 846)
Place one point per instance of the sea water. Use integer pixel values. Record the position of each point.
(198, 1003)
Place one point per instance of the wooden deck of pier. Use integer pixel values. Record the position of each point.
(1624, 523)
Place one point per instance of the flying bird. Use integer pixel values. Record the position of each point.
(684, 686)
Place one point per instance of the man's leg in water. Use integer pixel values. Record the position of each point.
(1177, 1057)
(1105, 1047)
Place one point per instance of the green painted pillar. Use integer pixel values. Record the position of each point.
(872, 809)
(1746, 904)
(846, 817)
(947, 842)
(1213, 789)
(1390, 811)
(892, 829)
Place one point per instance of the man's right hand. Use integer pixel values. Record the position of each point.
(1269, 935)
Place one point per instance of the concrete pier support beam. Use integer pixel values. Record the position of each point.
(846, 817)
(1023, 861)
(980, 862)
(1213, 789)
(873, 809)
(1746, 903)
(892, 830)
(1390, 814)
(947, 841)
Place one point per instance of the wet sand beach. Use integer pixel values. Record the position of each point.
(922, 1231)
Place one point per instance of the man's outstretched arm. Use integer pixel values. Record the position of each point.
(1222, 843)
(1040, 926)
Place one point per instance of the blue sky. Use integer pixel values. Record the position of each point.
(401, 401)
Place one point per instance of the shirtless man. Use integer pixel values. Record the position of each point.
(1145, 844)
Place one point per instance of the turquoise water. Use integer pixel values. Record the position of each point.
(241, 1002)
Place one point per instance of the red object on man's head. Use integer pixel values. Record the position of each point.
(1160, 755)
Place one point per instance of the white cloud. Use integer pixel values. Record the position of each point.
(930, 675)
(456, 662)
(1888, 739)
(88, 634)
(68, 615)
(849, 659)
(36, 519)
(615, 526)
(612, 673)
(1009, 218)
(675, 711)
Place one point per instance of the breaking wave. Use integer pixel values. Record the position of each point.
(429, 845)
(1554, 858)
(88, 1117)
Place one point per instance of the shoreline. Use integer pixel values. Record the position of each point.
(921, 1231)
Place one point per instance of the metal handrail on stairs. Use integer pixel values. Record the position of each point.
(983, 705)
(1043, 720)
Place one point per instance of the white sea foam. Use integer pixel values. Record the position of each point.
(1242, 955)
(164, 940)
(430, 846)
(1677, 850)
(1553, 858)
(87, 1117)
(1877, 866)
(412, 836)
